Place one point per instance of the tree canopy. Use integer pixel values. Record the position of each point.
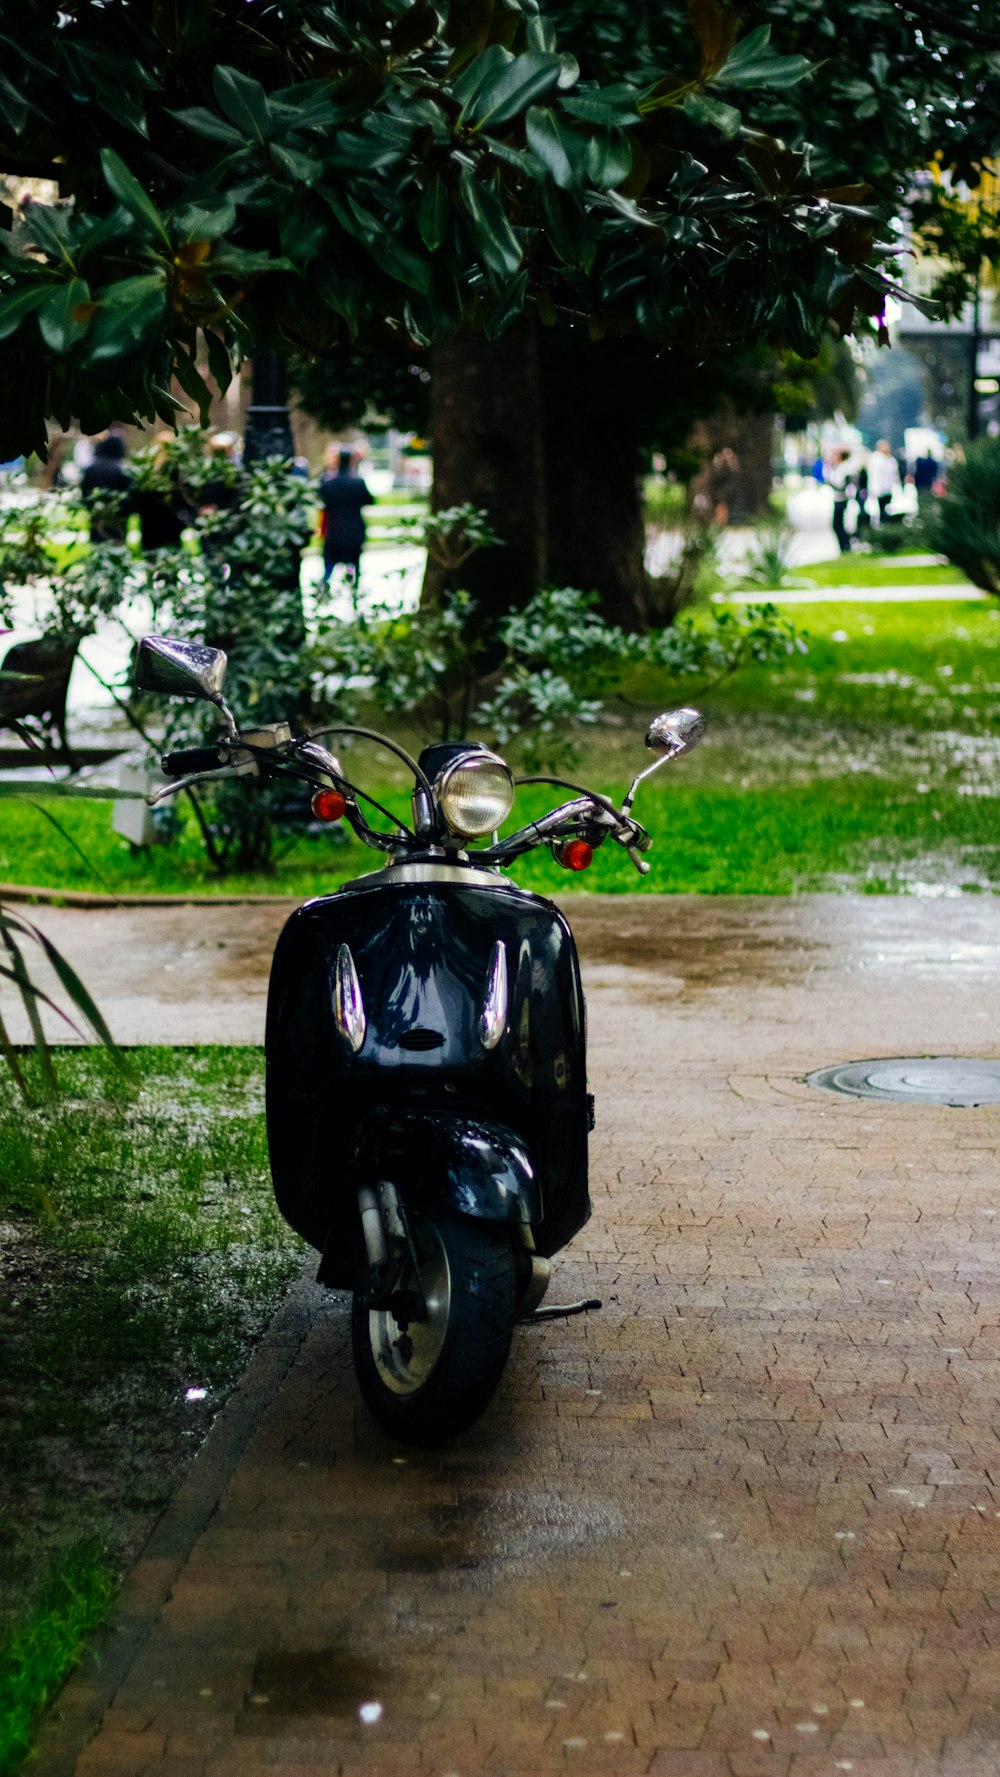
(228, 173)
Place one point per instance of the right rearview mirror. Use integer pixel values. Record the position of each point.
(675, 732)
(180, 669)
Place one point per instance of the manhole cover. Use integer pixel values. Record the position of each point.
(928, 1079)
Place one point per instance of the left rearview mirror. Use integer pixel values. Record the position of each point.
(177, 668)
(675, 732)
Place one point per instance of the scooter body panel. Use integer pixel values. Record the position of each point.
(413, 1093)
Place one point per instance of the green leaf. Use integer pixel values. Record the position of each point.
(609, 105)
(712, 113)
(467, 27)
(399, 261)
(204, 219)
(302, 167)
(58, 318)
(508, 93)
(561, 147)
(509, 306)
(495, 238)
(540, 34)
(17, 304)
(752, 62)
(244, 102)
(49, 228)
(219, 363)
(74, 987)
(205, 123)
(432, 217)
(609, 158)
(131, 196)
(569, 228)
(304, 228)
(193, 384)
(128, 311)
(418, 24)
(482, 68)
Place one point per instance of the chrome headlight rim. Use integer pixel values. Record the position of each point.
(479, 760)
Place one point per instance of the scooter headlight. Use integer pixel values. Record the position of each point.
(475, 794)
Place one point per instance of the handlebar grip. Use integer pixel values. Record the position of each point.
(191, 759)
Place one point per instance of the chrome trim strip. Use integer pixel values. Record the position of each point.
(493, 1017)
(348, 1005)
(492, 878)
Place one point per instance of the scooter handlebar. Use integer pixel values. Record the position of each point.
(192, 759)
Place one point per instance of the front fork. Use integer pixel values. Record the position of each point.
(393, 1280)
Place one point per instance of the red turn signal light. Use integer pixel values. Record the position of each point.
(576, 854)
(328, 805)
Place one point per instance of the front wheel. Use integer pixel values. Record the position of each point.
(427, 1380)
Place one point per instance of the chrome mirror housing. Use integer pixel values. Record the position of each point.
(670, 735)
(675, 732)
(177, 668)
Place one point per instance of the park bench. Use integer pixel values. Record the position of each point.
(46, 663)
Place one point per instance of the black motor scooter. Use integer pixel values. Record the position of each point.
(427, 1104)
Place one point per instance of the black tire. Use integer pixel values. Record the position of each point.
(430, 1382)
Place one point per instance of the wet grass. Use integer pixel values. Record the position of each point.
(44, 1648)
(141, 1257)
(873, 761)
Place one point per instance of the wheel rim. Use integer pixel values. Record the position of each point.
(405, 1358)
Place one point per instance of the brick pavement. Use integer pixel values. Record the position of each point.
(744, 1522)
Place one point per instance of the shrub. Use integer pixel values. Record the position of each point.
(964, 524)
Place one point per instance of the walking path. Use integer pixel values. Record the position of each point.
(745, 1521)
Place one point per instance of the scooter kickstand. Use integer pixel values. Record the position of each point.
(561, 1310)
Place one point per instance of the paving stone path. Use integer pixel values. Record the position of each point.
(745, 1521)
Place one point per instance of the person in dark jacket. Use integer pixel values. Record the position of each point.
(106, 474)
(343, 494)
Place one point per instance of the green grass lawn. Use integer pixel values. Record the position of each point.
(871, 762)
(143, 1255)
(875, 570)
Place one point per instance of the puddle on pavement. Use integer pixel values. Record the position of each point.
(328, 1681)
(682, 963)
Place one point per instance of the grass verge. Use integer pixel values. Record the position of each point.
(142, 1257)
(39, 1655)
(871, 761)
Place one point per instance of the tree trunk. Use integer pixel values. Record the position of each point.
(750, 437)
(596, 530)
(487, 433)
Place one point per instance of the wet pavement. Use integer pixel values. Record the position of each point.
(745, 1521)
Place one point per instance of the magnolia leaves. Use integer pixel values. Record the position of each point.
(406, 164)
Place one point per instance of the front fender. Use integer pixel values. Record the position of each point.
(476, 1167)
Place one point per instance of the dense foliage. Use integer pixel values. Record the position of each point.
(388, 165)
(965, 523)
(545, 675)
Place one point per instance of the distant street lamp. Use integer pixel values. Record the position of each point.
(268, 428)
(974, 342)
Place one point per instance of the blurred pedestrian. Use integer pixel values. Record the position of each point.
(343, 494)
(883, 477)
(926, 471)
(840, 481)
(723, 483)
(864, 523)
(163, 510)
(104, 476)
(220, 491)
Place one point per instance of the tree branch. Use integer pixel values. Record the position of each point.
(938, 18)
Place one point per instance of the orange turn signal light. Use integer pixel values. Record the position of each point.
(328, 805)
(576, 854)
